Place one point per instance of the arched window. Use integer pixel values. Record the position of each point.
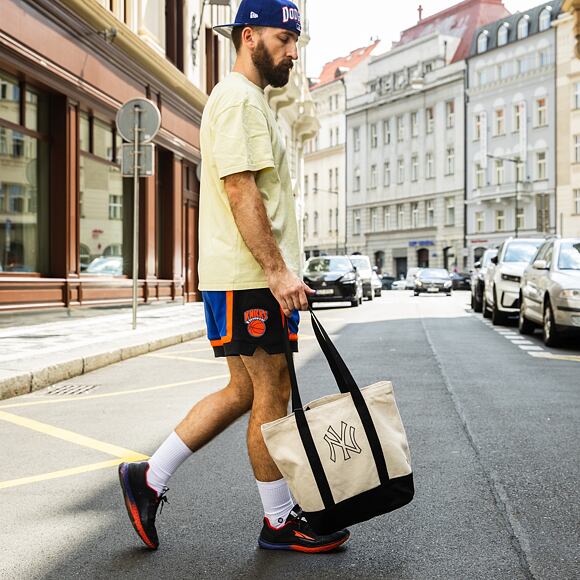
(502, 34)
(523, 27)
(482, 42)
(545, 18)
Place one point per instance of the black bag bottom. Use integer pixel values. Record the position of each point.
(364, 506)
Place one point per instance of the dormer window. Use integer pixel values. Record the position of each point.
(545, 18)
(482, 42)
(523, 27)
(502, 34)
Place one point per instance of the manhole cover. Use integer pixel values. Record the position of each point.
(70, 389)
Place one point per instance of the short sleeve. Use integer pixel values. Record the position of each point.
(241, 140)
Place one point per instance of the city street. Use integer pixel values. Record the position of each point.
(492, 423)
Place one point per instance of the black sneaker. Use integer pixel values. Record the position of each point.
(141, 501)
(296, 534)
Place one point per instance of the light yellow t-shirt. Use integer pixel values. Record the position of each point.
(239, 133)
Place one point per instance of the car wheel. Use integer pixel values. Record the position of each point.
(497, 317)
(477, 304)
(415, 293)
(371, 295)
(354, 303)
(448, 293)
(551, 334)
(525, 326)
(485, 308)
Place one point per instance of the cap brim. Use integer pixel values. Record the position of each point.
(225, 30)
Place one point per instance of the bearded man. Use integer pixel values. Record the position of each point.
(249, 276)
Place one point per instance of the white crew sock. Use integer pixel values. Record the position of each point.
(277, 501)
(165, 461)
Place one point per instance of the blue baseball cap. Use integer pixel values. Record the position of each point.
(272, 13)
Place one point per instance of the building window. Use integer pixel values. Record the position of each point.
(387, 218)
(523, 27)
(482, 42)
(477, 128)
(429, 119)
(329, 221)
(315, 184)
(576, 201)
(576, 148)
(545, 19)
(518, 117)
(330, 174)
(479, 176)
(577, 95)
(336, 220)
(429, 169)
(401, 170)
(450, 114)
(502, 34)
(400, 216)
(400, 128)
(356, 138)
(414, 124)
(115, 207)
(414, 168)
(499, 220)
(520, 171)
(499, 172)
(330, 137)
(450, 211)
(336, 135)
(374, 136)
(450, 166)
(479, 222)
(544, 58)
(415, 215)
(336, 179)
(430, 213)
(356, 183)
(541, 112)
(387, 132)
(541, 165)
(520, 221)
(305, 225)
(306, 185)
(499, 122)
(315, 225)
(356, 222)
(374, 219)
(386, 174)
(373, 176)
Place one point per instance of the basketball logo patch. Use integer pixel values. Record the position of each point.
(256, 321)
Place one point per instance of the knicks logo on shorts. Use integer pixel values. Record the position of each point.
(256, 321)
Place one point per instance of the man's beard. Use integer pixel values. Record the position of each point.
(277, 76)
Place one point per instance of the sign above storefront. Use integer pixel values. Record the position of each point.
(422, 243)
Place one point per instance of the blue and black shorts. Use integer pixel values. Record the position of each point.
(239, 321)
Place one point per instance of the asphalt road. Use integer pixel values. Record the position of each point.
(493, 425)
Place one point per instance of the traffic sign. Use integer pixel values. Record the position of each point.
(146, 155)
(140, 112)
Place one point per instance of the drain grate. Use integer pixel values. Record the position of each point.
(70, 389)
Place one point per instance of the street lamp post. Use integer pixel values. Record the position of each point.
(517, 160)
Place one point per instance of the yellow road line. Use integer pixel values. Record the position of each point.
(549, 355)
(69, 436)
(205, 349)
(116, 394)
(188, 358)
(71, 471)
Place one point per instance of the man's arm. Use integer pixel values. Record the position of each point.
(255, 228)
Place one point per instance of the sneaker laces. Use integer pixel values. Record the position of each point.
(163, 499)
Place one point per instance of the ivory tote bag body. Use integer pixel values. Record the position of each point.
(345, 456)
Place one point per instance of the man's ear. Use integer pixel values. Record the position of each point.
(250, 37)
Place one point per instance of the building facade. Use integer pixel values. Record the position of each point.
(568, 130)
(511, 129)
(405, 145)
(323, 221)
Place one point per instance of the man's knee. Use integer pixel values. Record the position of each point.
(241, 394)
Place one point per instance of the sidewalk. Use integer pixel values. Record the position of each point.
(40, 349)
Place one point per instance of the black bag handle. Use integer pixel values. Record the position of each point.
(346, 383)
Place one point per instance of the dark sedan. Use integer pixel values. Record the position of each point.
(334, 278)
(461, 280)
(432, 280)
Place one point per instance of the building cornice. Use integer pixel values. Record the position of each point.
(326, 152)
(573, 6)
(516, 80)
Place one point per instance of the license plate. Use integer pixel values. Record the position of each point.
(325, 292)
(432, 289)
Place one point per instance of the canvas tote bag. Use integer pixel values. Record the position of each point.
(345, 456)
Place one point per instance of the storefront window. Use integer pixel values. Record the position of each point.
(105, 206)
(24, 160)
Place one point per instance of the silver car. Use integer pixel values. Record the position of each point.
(550, 290)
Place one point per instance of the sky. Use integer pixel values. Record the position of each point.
(339, 26)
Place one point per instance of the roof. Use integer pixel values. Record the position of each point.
(338, 67)
(533, 16)
(461, 20)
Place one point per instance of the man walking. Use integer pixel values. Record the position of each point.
(248, 268)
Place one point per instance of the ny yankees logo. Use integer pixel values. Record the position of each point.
(334, 440)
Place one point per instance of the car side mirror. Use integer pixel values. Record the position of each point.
(540, 265)
(494, 260)
(477, 265)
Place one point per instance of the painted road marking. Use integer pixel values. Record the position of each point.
(549, 355)
(530, 348)
(188, 359)
(116, 394)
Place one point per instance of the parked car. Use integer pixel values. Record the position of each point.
(432, 280)
(106, 266)
(411, 272)
(363, 265)
(334, 278)
(376, 284)
(387, 281)
(550, 290)
(501, 296)
(461, 280)
(478, 279)
(399, 285)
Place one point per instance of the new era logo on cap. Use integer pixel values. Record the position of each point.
(270, 13)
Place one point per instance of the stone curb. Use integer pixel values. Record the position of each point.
(20, 383)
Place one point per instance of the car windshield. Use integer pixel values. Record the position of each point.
(328, 265)
(487, 258)
(433, 273)
(569, 256)
(361, 263)
(521, 251)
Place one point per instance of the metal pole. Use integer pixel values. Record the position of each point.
(136, 151)
(517, 181)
